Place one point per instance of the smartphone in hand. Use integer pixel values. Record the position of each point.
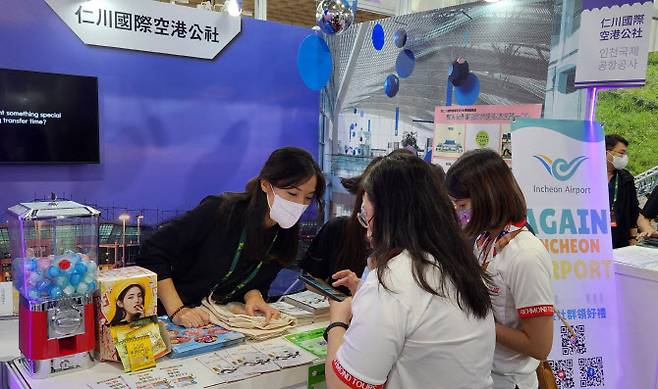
(321, 287)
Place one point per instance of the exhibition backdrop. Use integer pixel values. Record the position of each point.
(173, 129)
(506, 44)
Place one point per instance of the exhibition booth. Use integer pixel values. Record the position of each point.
(118, 116)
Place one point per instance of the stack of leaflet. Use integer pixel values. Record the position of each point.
(310, 302)
(242, 362)
(303, 317)
(192, 341)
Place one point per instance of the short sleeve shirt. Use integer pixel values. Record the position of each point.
(409, 338)
(521, 273)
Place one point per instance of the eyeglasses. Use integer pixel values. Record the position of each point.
(361, 217)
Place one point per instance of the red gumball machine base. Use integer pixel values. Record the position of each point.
(57, 336)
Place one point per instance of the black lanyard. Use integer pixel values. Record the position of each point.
(614, 195)
(234, 264)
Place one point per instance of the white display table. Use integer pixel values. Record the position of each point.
(9, 339)
(290, 378)
(636, 276)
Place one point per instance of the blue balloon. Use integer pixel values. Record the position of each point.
(405, 63)
(378, 37)
(314, 62)
(400, 38)
(469, 91)
(391, 85)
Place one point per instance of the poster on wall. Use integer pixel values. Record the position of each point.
(563, 178)
(614, 43)
(149, 26)
(459, 129)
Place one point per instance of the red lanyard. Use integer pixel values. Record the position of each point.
(485, 242)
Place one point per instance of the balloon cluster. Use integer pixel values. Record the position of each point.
(54, 276)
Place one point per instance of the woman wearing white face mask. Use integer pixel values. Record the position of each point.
(232, 246)
(624, 206)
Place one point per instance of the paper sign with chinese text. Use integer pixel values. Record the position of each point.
(614, 43)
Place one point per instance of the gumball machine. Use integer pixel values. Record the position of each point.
(54, 246)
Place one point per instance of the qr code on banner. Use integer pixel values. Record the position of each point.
(571, 345)
(563, 371)
(591, 372)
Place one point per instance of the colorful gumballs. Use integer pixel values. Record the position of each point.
(80, 268)
(75, 279)
(43, 285)
(43, 264)
(33, 294)
(91, 286)
(55, 291)
(33, 279)
(62, 281)
(82, 288)
(69, 290)
(31, 264)
(91, 266)
(53, 271)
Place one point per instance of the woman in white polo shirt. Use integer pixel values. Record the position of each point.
(492, 209)
(422, 317)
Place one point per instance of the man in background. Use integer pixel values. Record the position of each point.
(624, 206)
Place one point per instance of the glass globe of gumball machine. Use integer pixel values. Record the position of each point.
(54, 246)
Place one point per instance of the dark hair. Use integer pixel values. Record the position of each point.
(120, 313)
(354, 249)
(496, 198)
(285, 168)
(413, 213)
(613, 139)
(439, 172)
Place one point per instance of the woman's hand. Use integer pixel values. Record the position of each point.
(340, 311)
(253, 303)
(648, 234)
(346, 278)
(192, 317)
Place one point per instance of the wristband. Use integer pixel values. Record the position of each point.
(176, 312)
(334, 325)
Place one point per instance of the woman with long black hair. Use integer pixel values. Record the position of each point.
(232, 246)
(422, 317)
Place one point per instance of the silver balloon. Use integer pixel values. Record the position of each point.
(334, 16)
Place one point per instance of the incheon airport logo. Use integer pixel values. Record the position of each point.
(560, 169)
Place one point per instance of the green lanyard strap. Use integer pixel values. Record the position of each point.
(234, 264)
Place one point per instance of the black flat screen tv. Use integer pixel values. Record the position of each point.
(48, 118)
